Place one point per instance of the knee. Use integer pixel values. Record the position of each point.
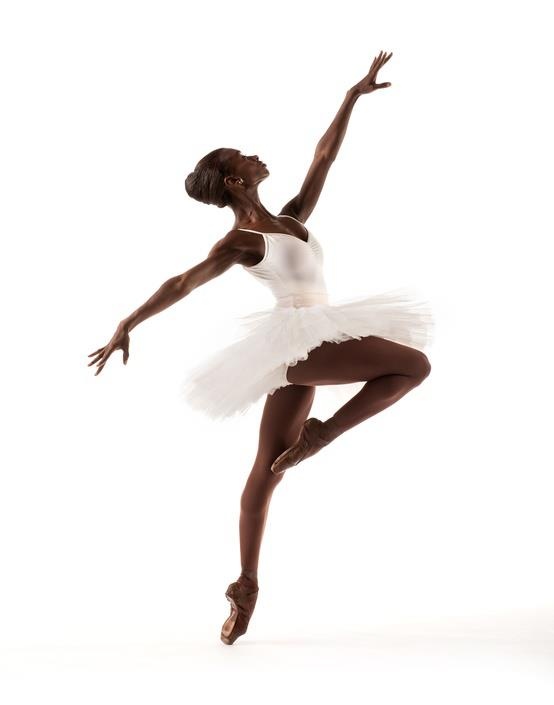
(256, 496)
(252, 507)
(421, 367)
(253, 503)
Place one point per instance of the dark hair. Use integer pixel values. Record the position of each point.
(205, 183)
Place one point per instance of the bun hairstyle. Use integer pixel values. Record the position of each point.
(205, 183)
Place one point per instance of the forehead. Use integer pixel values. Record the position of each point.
(232, 154)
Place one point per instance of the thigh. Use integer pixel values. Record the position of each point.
(357, 360)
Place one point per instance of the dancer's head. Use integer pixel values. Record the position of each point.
(226, 177)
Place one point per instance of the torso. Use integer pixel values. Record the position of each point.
(254, 247)
(291, 267)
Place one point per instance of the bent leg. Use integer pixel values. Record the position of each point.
(356, 361)
(284, 413)
(389, 369)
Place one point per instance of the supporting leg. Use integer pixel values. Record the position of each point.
(283, 416)
(284, 413)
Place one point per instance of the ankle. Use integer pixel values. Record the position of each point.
(331, 429)
(248, 578)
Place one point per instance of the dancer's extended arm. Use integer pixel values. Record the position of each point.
(221, 257)
(302, 205)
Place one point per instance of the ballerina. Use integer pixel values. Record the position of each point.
(374, 343)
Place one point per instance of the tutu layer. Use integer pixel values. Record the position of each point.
(230, 380)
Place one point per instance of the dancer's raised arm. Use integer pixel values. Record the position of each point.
(302, 205)
(221, 257)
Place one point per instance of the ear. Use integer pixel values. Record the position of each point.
(232, 180)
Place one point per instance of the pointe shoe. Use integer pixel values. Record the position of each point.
(313, 437)
(243, 600)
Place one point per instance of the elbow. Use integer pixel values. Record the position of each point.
(178, 286)
(323, 154)
(183, 284)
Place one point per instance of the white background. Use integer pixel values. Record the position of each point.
(410, 559)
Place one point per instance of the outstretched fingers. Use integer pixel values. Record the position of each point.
(380, 61)
(98, 352)
(102, 355)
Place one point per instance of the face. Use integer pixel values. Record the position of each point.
(247, 166)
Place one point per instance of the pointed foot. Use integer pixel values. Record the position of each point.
(243, 600)
(314, 435)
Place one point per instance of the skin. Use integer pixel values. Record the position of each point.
(389, 369)
(236, 247)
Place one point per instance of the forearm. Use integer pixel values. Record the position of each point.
(169, 293)
(331, 141)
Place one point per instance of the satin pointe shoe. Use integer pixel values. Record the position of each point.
(243, 600)
(313, 437)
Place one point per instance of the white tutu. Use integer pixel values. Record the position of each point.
(254, 364)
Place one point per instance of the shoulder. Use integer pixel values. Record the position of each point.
(237, 239)
(241, 246)
(231, 240)
(291, 210)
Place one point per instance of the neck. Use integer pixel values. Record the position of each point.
(250, 211)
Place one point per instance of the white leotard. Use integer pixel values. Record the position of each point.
(291, 268)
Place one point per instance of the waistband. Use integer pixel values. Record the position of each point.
(307, 298)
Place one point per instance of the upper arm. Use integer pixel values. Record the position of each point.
(302, 205)
(222, 256)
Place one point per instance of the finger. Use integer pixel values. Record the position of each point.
(376, 59)
(101, 366)
(104, 358)
(104, 351)
(96, 351)
(93, 362)
(381, 64)
(373, 70)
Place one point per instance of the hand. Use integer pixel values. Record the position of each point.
(367, 84)
(120, 340)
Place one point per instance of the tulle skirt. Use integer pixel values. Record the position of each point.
(267, 342)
